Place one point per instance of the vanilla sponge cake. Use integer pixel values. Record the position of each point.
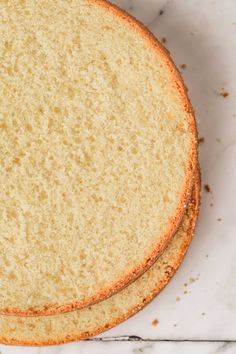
(97, 153)
(80, 324)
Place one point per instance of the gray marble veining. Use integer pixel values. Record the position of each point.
(131, 348)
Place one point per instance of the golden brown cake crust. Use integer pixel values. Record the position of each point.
(192, 210)
(185, 193)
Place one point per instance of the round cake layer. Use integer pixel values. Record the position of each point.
(97, 153)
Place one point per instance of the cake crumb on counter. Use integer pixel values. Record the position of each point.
(207, 188)
(155, 322)
(201, 140)
(224, 93)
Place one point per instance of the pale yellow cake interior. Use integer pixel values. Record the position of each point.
(94, 151)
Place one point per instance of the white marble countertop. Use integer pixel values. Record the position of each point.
(199, 317)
